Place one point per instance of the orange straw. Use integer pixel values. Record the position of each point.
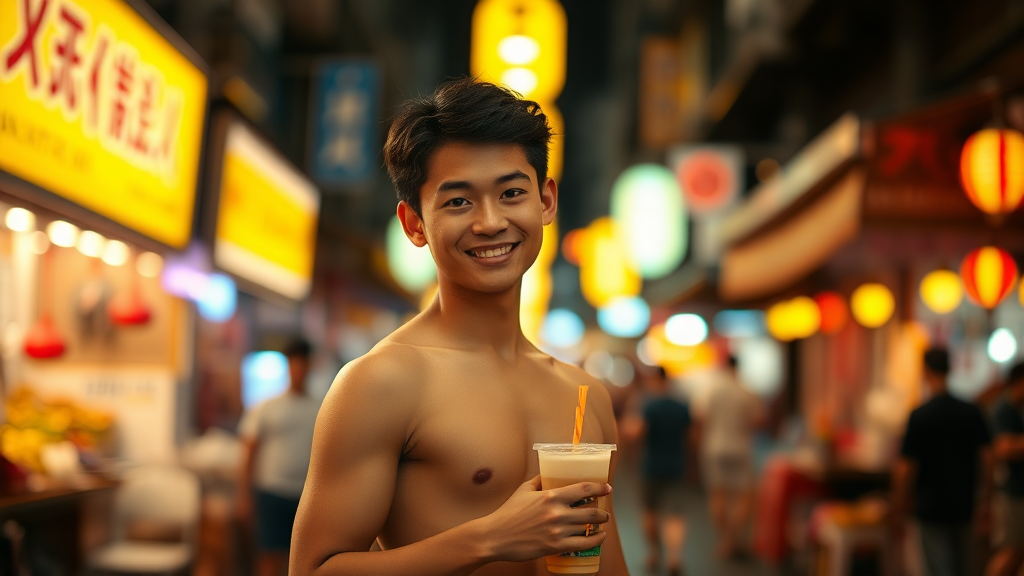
(581, 409)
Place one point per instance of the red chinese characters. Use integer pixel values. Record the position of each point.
(85, 71)
(67, 58)
(24, 48)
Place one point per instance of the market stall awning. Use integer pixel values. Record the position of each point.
(781, 256)
(794, 222)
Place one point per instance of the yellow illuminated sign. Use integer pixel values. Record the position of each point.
(266, 222)
(97, 107)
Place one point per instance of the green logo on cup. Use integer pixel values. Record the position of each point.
(595, 551)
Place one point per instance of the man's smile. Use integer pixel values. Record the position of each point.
(493, 251)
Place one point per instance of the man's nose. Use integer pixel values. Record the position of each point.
(490, 220)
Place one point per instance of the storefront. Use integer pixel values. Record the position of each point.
(102, 119)
(858, 223)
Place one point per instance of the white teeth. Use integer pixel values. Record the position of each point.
(494, 252)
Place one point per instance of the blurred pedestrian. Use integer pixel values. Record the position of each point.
(944, 455)
(727, 427)
(666, 433)
(277, 436)
(1008, 449)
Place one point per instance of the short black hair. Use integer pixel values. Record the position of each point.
(1016, 375)
(732, 362)
(464, 110)
(660, 371)
(937, 360)
(298, 347)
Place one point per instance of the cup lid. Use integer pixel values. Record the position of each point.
(570, 448)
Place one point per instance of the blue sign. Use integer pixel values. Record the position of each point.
(344, 131)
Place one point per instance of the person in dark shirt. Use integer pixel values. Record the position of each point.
(1008, 449)
(945, 451)
(666, 430)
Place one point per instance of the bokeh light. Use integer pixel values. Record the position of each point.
(149, 264)
(562, 328)
(686, 329)
(91, 244)
(1002, 346)
(872, 305)
(605, 273)
(411, 266)
(624, 317)
(941, 291)
(115, 253)
(264, 375)
(647, 206)
(20, 220)
(833, 311)
(739, 323)
(219, 298)
(61, 233)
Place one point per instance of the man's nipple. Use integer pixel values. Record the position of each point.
(482, 475)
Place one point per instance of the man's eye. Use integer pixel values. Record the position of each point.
(513, 192)
(456, 202)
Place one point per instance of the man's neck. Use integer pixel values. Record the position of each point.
(480, 320)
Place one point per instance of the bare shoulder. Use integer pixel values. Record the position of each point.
(384, 379)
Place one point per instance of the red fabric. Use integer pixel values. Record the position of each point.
(781, 485)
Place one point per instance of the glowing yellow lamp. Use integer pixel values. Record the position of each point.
(777, 322)
(537, 285)
(520, 43)
(942, 291)
(872, 305)
(804, 316)
(605, 272)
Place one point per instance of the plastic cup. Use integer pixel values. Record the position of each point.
(565, 464)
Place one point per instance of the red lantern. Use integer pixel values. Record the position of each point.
(989, 275)
(992, 170)
(43, 340)
(834, 313)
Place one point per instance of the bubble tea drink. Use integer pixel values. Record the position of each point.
(565, 464)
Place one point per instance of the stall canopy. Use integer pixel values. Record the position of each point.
(855, 179)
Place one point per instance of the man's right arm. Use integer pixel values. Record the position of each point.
(360, 434)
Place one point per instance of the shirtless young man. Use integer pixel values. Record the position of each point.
(423, 447)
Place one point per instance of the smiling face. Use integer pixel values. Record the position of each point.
(482, 214)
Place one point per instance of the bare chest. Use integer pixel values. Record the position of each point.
(471, 445)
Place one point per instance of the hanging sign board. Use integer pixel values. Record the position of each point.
(98, 107)
(344, 122)
(267, 215)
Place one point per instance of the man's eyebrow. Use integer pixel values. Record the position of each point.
(514, 175)
(464, 185)
(454, 185)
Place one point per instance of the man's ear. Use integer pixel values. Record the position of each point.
(549, 200)
(412, 224)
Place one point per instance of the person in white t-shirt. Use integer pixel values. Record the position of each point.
(277, 436)
(728, 424)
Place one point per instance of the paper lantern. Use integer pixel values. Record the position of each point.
(647, 206)
(605, 273)
(941, 291)
(833, 311)
(793, 319)
(872, 305)
(992, 170)
(989, 275)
